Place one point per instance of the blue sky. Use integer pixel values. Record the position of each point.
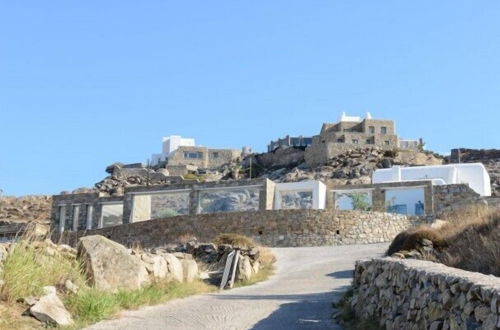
(87, 83)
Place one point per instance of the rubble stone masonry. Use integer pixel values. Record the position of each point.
(416, 294)
(283, 228)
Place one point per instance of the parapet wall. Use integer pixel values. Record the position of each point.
(283, 228)
(416, 294)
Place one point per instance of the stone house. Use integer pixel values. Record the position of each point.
(351, 133)
(203, 157)
(180, 155)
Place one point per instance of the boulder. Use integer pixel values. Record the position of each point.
(50, 309)
(109, 265)
(190, 270)
(174, 267)
(244, 272)
(156, 265)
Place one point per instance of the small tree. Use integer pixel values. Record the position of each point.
(360, 202)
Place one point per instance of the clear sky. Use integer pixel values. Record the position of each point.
(87, 83)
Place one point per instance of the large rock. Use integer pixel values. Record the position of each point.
(190, 270)
(174, 267)
(156, 265)
(244, 269)
(50, 309)
(109, 265)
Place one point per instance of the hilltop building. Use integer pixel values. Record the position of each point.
(355, 132)
(289, 141)
(180, 155)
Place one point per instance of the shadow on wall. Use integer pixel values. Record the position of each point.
(299, 311)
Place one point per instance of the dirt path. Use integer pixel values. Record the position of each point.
(298, 296)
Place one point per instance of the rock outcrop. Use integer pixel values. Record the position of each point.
(110, 266)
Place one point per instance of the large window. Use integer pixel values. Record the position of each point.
(405, 201)
(353, 200)
(169, 204)
(229, 200)
(112, 215)
(371, 129)
(296, 200)
(383, 130)
(193, 155)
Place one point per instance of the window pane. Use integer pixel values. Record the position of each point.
(353, 200)
(296, 200)
(169, 204)
(112, 215)
(233, 200)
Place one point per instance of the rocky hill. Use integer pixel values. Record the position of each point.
(25, 209)
(351, 167)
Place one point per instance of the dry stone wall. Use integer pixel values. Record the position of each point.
(453, 197)
(271, 227)
(416, 294)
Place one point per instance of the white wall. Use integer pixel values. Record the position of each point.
(473, 174)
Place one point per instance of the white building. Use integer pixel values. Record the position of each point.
(473, 174)
(169, 145)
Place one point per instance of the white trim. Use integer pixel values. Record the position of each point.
(111, 202)
(156, 192)
(228, 188)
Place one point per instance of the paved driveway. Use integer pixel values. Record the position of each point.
(298, 296)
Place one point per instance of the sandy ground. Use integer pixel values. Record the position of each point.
(298, 296)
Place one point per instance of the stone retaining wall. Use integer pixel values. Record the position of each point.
(416, 294)
(272, 228)
(453, 197)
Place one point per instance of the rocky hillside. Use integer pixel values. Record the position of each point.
(25, 209)
(351, 167)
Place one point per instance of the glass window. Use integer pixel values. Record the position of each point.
(352, 200)
(112, 215)
(193, 155)
(371, 129)
(409, 201)
(229, 200)
(355, 141)
(215, 155)
(169, 204)
(383, 130)
(296, 200)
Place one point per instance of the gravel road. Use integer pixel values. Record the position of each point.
(298, 296)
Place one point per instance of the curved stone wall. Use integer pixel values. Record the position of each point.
(283, 228)
(416, 294)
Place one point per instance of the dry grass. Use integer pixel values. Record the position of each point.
(470, 241)
(236, 240)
